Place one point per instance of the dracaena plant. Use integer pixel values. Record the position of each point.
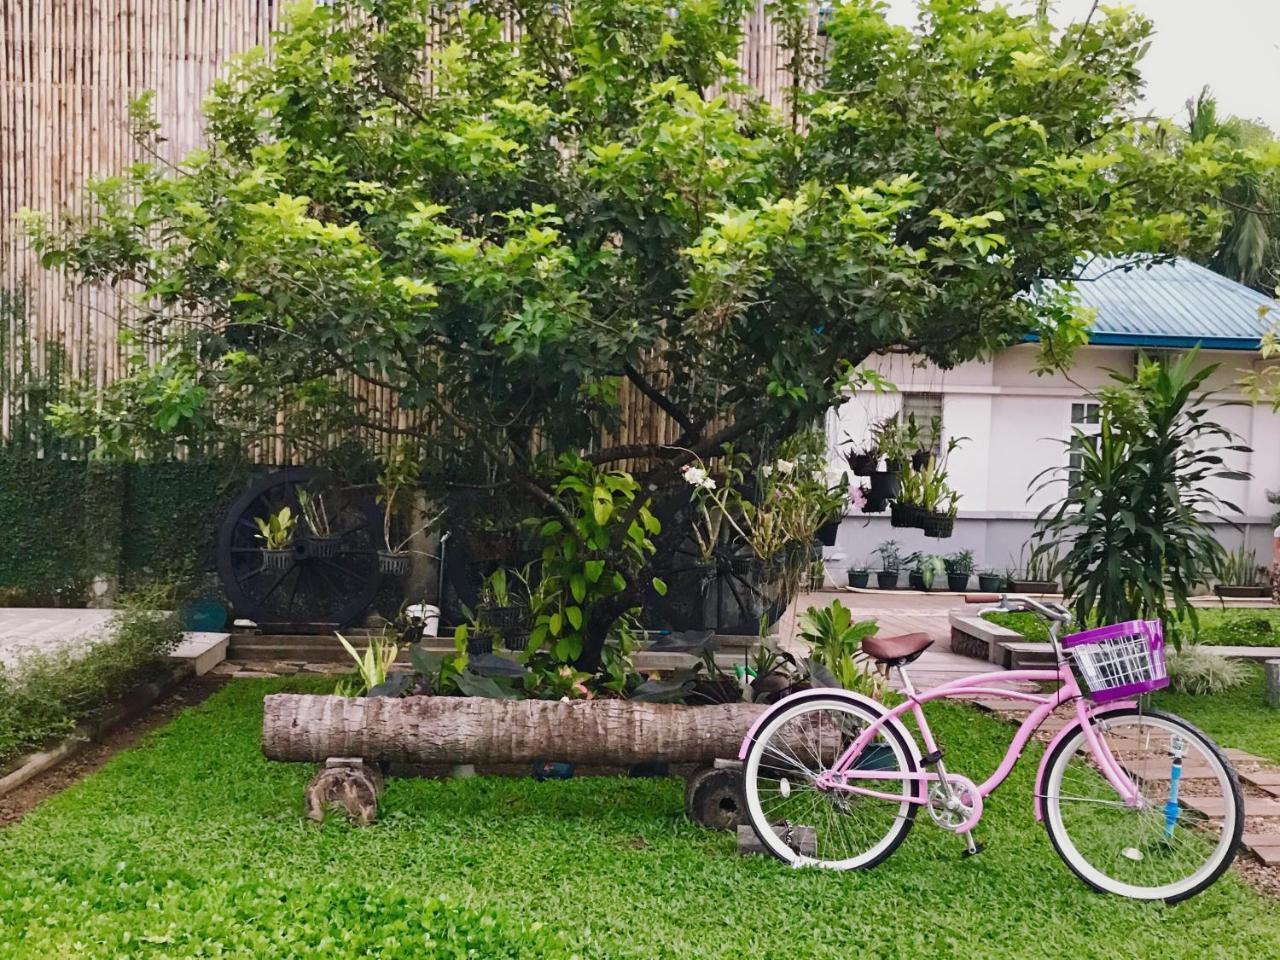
(1135, 515)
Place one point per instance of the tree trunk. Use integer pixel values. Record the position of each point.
(480, 730)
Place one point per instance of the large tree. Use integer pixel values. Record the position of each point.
(499, 232)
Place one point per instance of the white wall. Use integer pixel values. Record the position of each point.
(1017, 421)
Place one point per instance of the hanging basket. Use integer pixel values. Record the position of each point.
(864, 464)
(393, 564)
(277, 559)
(936, 524)
(906, 515)
(323, 547)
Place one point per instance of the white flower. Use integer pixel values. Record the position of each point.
(784, 466)
(766, 470)
(696, 476)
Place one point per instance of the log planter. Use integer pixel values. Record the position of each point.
(450, 730)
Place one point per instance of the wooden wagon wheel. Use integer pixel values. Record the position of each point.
(328, 585)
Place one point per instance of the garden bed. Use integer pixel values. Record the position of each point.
(1228, 628)
(193, 839)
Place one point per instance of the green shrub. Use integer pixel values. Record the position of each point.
(49, 694)
(1198, 670)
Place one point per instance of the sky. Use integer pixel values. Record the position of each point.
(1232, 45)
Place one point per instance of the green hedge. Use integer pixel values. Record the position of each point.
(51, 693)
(66, 521)
(1239, 627)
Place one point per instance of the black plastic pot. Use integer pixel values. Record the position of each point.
(920, 459)
(827, 533)
(990, 582)
(503, 619)
(479, 645)
(393, 564)
(516, 640)
(277, 559)
(874, 504)
(916, 581)
(859, 578)
(885, 484)
(957, 582)
(887, 579)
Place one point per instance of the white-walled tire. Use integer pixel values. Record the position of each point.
(1138, 853)
(803, 825)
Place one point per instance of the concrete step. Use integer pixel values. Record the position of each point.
(1029, 656)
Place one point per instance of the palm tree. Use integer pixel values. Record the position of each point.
(1248, 250)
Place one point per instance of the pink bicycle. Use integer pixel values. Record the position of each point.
(1136, 802)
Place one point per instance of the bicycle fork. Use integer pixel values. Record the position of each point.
(950, 800)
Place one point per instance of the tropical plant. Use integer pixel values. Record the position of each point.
(835, 640)
(1240, 568)
(397, 478)
(928, 566)
(1137, 515)
(890, 556)
(508, 232)
(929, 490)
(314, 514)
(961, 562)
(1198, 669)
(276, 529)
(373, 667)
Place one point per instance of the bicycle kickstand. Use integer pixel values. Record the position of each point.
(972, 846)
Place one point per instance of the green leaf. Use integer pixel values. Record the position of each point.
(660, 586)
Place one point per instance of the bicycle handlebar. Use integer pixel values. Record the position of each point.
(1050, 611)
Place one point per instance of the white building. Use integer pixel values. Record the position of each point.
(1017, 421)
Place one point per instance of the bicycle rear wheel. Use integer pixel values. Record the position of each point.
(1182, 834)
(807, 825)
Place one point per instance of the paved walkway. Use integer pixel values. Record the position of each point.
(28, 630)
(899, 612)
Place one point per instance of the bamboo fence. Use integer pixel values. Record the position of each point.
(68, 69)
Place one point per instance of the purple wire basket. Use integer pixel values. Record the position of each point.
(1120, 660)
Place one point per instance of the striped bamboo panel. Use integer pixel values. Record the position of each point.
(68, 69)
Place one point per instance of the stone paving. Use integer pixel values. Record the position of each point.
(29, 630)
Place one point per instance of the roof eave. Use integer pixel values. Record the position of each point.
(1104, 339)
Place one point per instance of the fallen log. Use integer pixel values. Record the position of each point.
(302, 727)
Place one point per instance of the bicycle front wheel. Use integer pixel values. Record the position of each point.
(806, 823)
(1179, 837)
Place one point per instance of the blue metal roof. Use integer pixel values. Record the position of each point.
(1176, 304)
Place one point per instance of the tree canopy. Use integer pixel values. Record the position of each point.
(498, 212)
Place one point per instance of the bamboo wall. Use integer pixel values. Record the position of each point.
(68, 69)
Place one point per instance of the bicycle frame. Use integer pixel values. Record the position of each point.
(843, 772)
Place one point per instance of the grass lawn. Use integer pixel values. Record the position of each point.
(1233, 628)
(192, 845)
(1237, 718)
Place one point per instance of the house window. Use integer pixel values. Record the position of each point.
(1086, 420)
(925, 411)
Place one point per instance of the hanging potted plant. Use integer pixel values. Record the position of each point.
(959, 570)
(321, 540)
(894, 447)
(276, 533)
(399, 475)
(863, 459)
(890, 563)
(504, 606)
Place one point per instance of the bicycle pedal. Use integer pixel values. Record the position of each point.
(976, 849)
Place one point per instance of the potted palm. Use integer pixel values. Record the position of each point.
(321, 540)
(276, 533)
(959, 569)
(859, 576)
(890, 563)
(1242, 576)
